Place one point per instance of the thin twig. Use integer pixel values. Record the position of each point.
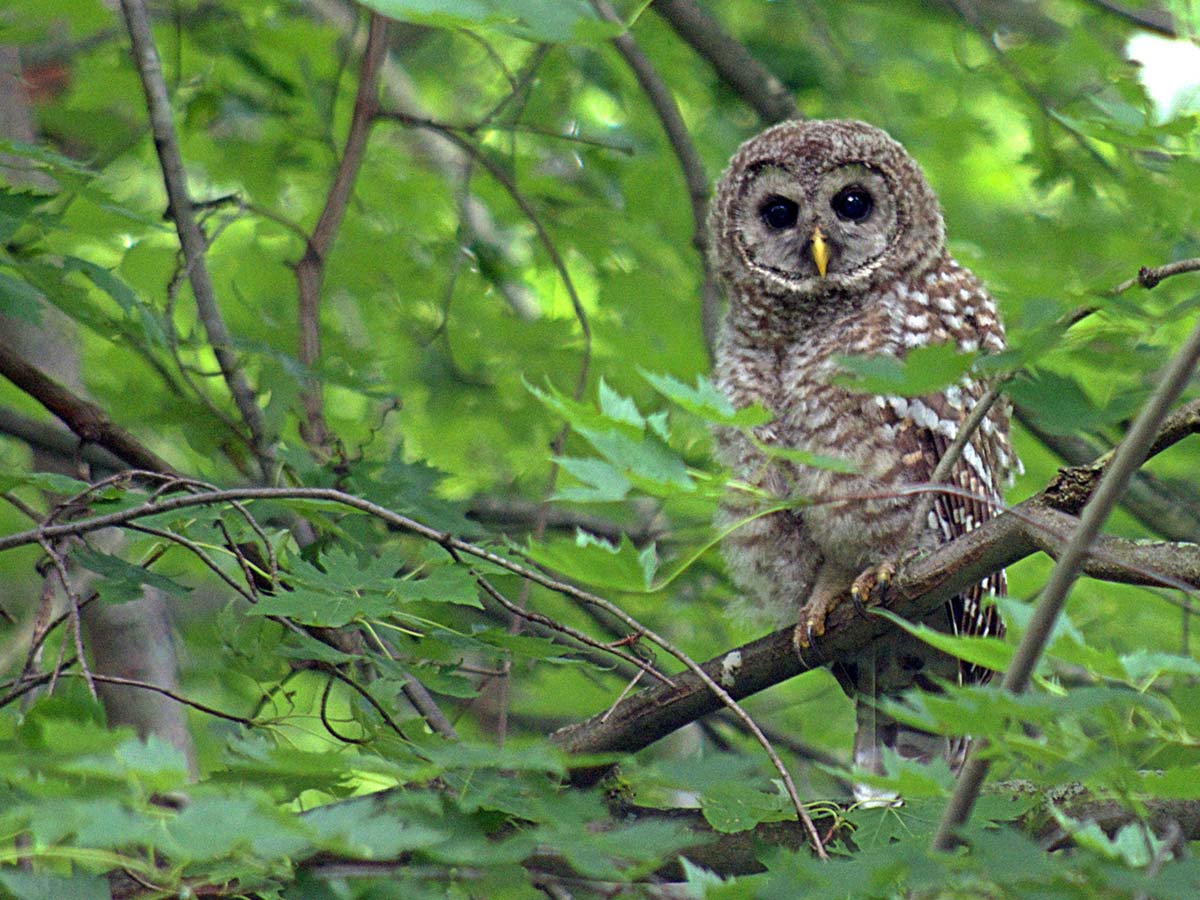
(680, 139)
(200, 554)
(520, 612)
(73, 603)
(170, 694)
(310, 270)
(416, 693)
(1149, 276)
(166, 143)
(1128, 457)
(505, 181)
(366, 695)
(969, 15)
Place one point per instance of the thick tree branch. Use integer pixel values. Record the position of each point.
(55, 441)
(750, 79)
(310, 271)
(86, 419)
(191, 238)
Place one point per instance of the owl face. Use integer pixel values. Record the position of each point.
(820, 207)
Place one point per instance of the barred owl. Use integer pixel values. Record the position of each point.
(830, 241)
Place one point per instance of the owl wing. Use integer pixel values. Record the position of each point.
(925, 428)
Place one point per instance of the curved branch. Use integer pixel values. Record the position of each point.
(1039, 523)
(750, 79)
(680, 139)
(191, 238)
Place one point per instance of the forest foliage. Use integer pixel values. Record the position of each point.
(455, 260)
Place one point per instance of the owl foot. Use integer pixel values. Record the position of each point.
(870, 588)
(812, 619)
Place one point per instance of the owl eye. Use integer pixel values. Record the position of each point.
(853, 203)
(779, 213)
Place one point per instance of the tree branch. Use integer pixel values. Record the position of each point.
(1172, 512)
(1150, 276)
(191, 238)
(86, 419)
(750, 79)
(680, 139)
(310, 271)
(54, 441)
(1039, 523)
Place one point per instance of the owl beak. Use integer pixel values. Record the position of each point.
(820, 250)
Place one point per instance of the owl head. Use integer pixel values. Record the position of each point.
(818, 208)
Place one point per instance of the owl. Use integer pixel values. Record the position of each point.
(829, 242)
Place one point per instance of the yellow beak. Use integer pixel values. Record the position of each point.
(820, 250)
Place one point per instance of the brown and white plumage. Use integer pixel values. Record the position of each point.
(881, 282)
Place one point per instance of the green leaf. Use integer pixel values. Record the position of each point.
(991, 653)
(555, 21)
(123, 581)
(16, 207)
(119, 291)
(51, 482)
(705, 401)
(922, 371)
(617, 408)
(444, 584)
(1061, 406)
(19, 299)
(602, 483)
(325, 609)
(42, 886)
(1144, 667)
(732, 806)
(595, 561)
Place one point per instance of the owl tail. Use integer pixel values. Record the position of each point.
(876, 730)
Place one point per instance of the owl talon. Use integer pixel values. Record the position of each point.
(804, 639)
(871, 587)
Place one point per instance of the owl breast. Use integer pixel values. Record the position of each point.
(891, 442)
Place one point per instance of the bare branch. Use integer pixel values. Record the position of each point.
(750, 79)
(1125, 461)
(1170, 511)
(191, 238)
(1150, 276)
(55, 441)
(505, 181)
(921, 586)
(84, 418)
(310, 271)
